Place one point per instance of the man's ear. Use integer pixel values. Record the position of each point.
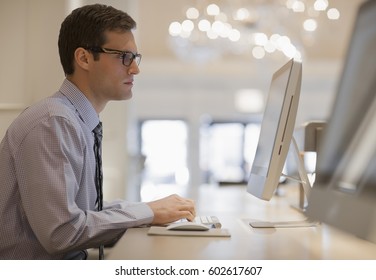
(81, 57)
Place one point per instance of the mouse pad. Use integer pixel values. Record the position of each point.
(215, 232)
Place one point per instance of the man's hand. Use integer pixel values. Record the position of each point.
(172, 208)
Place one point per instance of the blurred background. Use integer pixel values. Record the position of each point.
(195, 115)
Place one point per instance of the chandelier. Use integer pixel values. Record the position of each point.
(260, 28)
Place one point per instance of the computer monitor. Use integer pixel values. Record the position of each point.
(275, 138)
(344, 192)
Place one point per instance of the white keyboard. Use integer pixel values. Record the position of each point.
(212, 221)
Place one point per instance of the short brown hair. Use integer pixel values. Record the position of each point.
(86, 27)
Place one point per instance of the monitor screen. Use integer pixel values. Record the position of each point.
(277, 127)
(344, 193)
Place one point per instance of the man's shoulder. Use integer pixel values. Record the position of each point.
(44, 111)
(50, 107)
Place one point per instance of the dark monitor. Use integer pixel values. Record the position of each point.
(344, 192)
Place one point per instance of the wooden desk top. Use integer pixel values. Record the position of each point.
(235, 208)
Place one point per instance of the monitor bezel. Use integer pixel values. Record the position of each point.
(351, 210)
(354, 107)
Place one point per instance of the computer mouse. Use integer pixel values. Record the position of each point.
(188, 226)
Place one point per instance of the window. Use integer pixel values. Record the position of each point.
(227, 151)
(164, 145)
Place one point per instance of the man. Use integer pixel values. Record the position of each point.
(49, 202)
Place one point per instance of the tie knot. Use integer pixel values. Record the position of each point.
(98, 129)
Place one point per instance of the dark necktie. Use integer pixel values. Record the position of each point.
(98, 173)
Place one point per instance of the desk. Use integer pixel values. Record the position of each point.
(235, 208)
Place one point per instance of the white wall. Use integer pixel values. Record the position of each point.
(30, 67)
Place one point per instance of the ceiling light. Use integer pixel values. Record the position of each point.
(321, 5)
(192, 13)
(213, 10)
(310, 25)
(333, 14)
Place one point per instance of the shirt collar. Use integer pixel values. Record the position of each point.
(83, 106)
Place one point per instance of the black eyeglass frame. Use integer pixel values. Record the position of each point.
(124, 54)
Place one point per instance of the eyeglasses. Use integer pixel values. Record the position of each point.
(127, 57)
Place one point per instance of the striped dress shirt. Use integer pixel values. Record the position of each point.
(48, 194)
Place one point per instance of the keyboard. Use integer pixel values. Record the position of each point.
(212, 221)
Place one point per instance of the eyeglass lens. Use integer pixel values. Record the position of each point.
(128, 58)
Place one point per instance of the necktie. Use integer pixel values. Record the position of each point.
(98, 173)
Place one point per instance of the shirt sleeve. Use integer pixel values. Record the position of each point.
(50, 165)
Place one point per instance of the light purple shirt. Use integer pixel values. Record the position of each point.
(48, 194)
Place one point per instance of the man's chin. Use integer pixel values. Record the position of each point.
(126, 96)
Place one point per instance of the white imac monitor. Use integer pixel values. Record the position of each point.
(276, 130)
(344, 193)
(276, 133)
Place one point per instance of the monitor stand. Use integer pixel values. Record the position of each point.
(305, 186)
